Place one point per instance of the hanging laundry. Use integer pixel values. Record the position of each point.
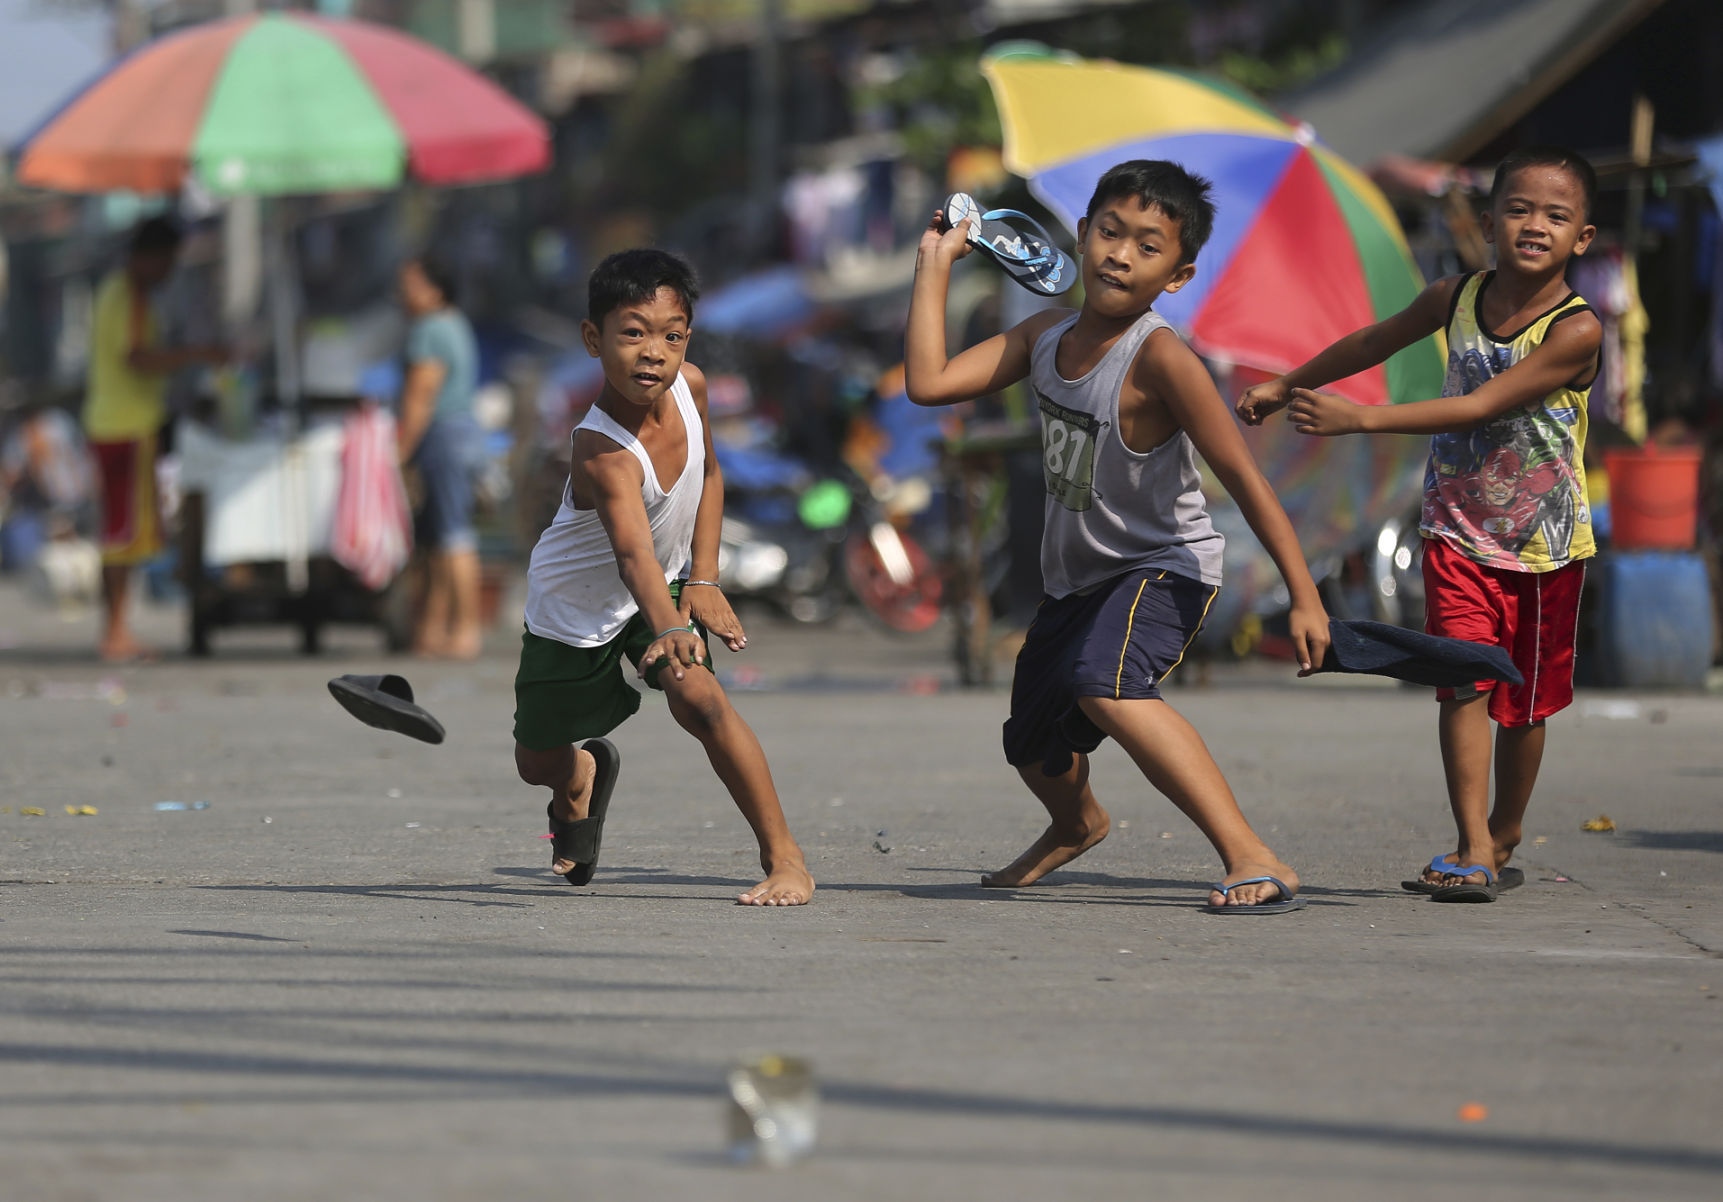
(1607, 280)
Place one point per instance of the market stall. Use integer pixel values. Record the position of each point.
(278, 105)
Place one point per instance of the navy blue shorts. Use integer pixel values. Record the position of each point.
(1119, 640)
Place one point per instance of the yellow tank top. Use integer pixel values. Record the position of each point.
(1510, 493)
(122, 402)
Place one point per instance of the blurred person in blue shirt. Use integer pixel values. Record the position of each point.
(438, 436)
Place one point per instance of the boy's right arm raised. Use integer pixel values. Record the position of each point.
(930, 377)
(615, 477)
(1356, 352)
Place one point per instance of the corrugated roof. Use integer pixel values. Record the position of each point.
(1442, 80)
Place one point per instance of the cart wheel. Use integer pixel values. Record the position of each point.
(310, 638)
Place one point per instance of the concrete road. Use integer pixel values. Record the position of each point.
(351, 977)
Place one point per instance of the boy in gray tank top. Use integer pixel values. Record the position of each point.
(1130, 560)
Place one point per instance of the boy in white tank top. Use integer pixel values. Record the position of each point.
(1129, 559)
(625, 576)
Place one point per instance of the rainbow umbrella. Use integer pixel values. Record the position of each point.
(1305, 249)
(279, 104)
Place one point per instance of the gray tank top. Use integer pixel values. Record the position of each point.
(1111, 510)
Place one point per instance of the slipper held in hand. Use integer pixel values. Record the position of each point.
(386, 702)
(1379, 649)
(1017, 243)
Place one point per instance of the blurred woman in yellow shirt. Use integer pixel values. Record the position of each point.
(124, 408)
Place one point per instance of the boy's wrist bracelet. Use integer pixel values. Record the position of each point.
(707, 583)
(690, 629)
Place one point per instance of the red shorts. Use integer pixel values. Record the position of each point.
(131, 522)
(1533, 616)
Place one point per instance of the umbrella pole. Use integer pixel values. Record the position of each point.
(284, 321)
(283, 318)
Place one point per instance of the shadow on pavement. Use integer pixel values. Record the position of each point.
(699, 1084)
(1674, 840)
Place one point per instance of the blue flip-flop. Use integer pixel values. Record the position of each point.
(1017, 242)
(1289, 901)
(1468, 891)
(1508, 878)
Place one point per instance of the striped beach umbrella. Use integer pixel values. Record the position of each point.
(1305, 248)
(283, 103)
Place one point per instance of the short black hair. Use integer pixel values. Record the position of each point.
(633, 277)
(1182, 195)
(439, 273)
(155, 236)
(1548, 156)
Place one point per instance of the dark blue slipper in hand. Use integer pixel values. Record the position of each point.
(1017, 242)
(1379, 649)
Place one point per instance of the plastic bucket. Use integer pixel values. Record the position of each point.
(1654, 497)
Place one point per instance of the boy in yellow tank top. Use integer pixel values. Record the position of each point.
(1506, 522)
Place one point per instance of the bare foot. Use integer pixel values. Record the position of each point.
(579, 801)
(788, 885)
(124, 649)
(1262, 891)
(464, 645)
(1055, 848)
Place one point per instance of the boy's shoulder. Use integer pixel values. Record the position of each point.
(1035, 327)
(695, 379)
(1164, 359)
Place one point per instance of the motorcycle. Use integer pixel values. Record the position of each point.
(804, 545)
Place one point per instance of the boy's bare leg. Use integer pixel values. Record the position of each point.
(1519, 755)
(1077, 823)
(568, 773)
(1465, 738)
(1174, 758)
(700, 707)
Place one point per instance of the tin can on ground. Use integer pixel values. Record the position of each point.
(773, 1110)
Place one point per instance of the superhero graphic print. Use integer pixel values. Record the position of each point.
(1506, 493)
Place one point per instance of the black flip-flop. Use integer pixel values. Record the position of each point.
(1287, 902)
(386, 702)
(1508, 878)
(579, 840)
(1016, 242)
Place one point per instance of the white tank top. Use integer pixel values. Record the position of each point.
(574, 593)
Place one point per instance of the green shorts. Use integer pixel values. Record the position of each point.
(564, 694)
